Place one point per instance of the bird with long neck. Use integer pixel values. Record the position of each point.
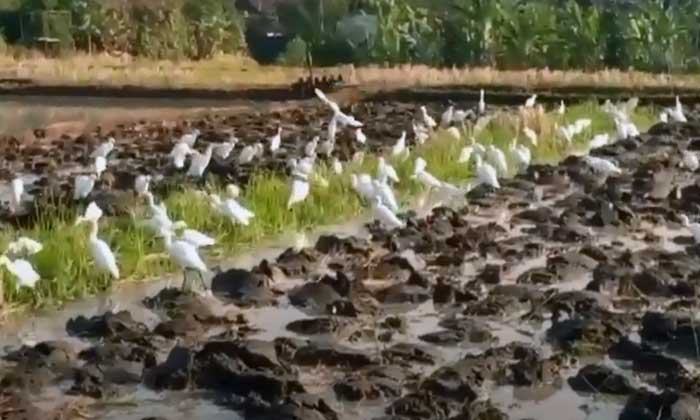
(101, 252)
(185, 255)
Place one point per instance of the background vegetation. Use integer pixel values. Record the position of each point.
(648, 35)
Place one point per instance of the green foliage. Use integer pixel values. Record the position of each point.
(295, 54)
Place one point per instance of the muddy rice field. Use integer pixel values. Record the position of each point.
(561, 295)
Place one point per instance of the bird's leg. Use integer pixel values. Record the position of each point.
(201, 280)
(184, 281)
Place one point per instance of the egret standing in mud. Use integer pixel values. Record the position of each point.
(102, 254)
(485, 173)
(191, 138)
(104, 149)
(179, 153)
(99, 166)
(384, 191)
(223, 150)
(530, 102)
(142, 184)
(399, 149)
(481, 107)
(384, 215)
(249, 153)
(185, 255)
(428, 121)
(16, 192)
(82, 186)
(276, 140)
(200, 162)
(447, 117)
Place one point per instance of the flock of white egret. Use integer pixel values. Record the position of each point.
(182, 244)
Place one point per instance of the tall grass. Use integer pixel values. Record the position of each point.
(67, 271)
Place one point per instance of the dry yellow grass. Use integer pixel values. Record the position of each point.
(235, 71)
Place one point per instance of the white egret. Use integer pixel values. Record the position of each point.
(530, 102)
(185, 255)
(599, 140)
(249, 153)
(326, 147)
(342, 118)
(101, 253)
(602, 166)
(520, 154)
(481, 107)
(363, 186)
(24, 246)
(485, 173)
(179, 154)
(497, 158)
(465, 154)
(562, 108)
(460, 116)
(428, 121)
(399, 147)
(155, 209)
(233, 190)
(99, 166)
(690, 160)
(104, 149)
(223, 150)
(22, 270)
(17, 190)
(693, 228)
(190, 138)
(299, 191)
(231, 209)
(385, 171)
(310, 147)
(447, 117)
(429, 180)
(142, 184)
(384, 191)
(421, 133)
(276, 140)
(194, 237)
(385, 216)
(337, 166)
(663, 117)
(200, 162)
(676, 113)
(360, 136)
(83, 185)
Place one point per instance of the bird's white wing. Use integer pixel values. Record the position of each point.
(24, 246)
(420, 166)
(104, 258)
(322, 96)
(24, 272)
(197, 238)
(83, 186)
(387, 196)
(386, 216)
(300, 190)
(186, 256)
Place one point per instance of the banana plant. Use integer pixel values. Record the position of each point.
(470, 35)
(579, 33)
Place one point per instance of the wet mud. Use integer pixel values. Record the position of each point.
(581, 302)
